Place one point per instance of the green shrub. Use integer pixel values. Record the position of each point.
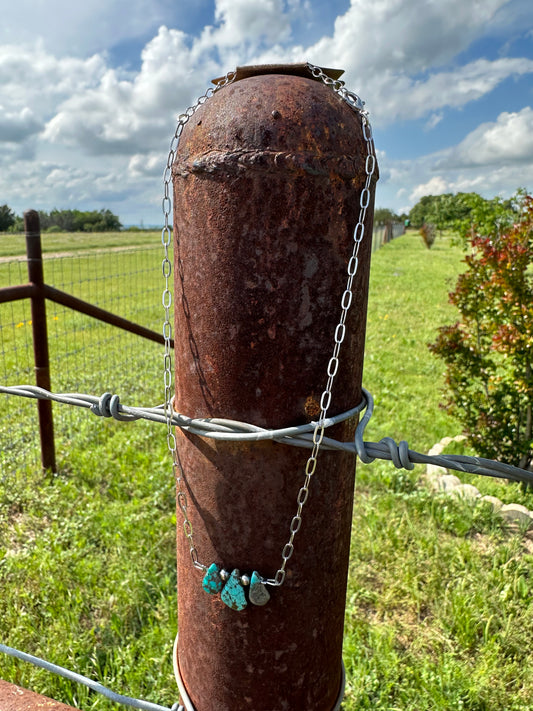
(489, 352)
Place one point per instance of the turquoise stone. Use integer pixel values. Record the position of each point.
(258, 594)
(212, 582)
(233, 593)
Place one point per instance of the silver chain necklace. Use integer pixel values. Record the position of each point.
(233, 586)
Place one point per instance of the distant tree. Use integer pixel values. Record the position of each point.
(437, 210)
(80, 221)
(18, 225)
(476, 215)
(7, 218)
(459, 212)
(423, 211)
(383, 216)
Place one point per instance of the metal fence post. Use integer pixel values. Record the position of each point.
(40, 336)
(267, 189)
(16, 698)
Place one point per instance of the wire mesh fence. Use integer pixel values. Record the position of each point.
(86, 355)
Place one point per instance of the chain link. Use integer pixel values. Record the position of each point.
(318, 434)
(370, 163)
(166, 239)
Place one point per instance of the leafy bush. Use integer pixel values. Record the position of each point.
(489, 352)
(429, 234)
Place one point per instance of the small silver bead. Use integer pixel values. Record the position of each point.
(245, 580)
(224, 575)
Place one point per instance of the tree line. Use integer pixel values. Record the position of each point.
(460, 212)
(456, 212)
(63, 221)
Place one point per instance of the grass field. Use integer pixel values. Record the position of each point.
(439, 607)
(14, 244)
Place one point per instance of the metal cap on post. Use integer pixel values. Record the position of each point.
(269, 178)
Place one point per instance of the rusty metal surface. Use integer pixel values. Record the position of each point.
(15, 698)
(266, 184)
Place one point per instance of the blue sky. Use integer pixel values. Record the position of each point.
(89, 92)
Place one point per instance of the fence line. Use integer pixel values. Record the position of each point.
(384, 233)
(97, 304)
(35, 341)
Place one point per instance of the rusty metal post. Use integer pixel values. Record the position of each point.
(15, 698)
(267, 179)
(40, 336)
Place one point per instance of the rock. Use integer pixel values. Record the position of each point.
(493, 501)
(515, 513)
(448, 482)
(432, 471)
(436, 450)
(466, 491)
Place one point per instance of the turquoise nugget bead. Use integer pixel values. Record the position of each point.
(212, 582)
(233, 593)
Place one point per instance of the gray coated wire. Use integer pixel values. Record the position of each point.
(85, 681)
(387, 449)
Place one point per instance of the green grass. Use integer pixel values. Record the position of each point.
(14, 244)
(439, 606)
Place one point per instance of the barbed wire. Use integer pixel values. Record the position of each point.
(109, 405)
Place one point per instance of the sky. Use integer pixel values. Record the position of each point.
(90, 91)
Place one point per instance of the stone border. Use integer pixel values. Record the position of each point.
(440, 479)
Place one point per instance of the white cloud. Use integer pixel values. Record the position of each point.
(395, 97)
(68, 111)
(407, 35)
(506, 141)
(433, 121)
(82, 28)
(122, 115)
(457, 88)
(17, 125)
(147, 164)
(243, 22)
(435, 186)
(33, 80)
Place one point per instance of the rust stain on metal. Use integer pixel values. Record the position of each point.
(266, 197)
(312, 407)
(15, 698)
